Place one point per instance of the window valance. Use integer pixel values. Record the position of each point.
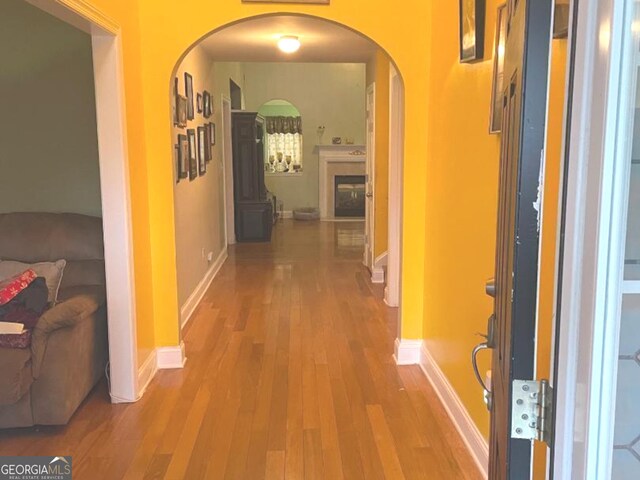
(284, 125)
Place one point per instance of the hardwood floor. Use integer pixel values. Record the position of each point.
(289, 376)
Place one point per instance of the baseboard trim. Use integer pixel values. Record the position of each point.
(471, 436)
(171, 357)
(186, 311)
(407, 352)
(146, 372)
(286, 214)
(377, 272)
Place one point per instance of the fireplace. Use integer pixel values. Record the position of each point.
(349, 196)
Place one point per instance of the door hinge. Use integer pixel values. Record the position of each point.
(532, 410)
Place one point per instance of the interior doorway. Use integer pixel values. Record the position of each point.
(244, 68)
(127, 382)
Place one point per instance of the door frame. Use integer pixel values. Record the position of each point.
(128, 379)
(370, 187)
(227, 160)
(590, 254)
(392, 291)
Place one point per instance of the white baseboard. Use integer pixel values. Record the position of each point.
(286, 214)
(473, 439)
(407, 352)
(377, 271)
(171, 357)
(186, 311)
(146, 372)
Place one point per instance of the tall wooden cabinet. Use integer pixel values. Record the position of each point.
(253, 210)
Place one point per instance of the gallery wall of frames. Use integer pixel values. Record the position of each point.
(194, 146)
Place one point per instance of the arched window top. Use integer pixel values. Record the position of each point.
(278, 108)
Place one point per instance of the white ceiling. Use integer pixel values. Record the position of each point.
(255, 41)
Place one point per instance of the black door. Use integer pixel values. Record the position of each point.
(513, 330)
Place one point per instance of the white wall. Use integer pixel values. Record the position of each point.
(329, 94)
(199, 204)
(48, 137)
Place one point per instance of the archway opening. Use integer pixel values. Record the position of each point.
(321, 91)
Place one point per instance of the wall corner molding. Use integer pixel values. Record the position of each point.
(190, 306)
(407, 352)
(171, 357)
(471, 436)
(147, 372)
(377, 271)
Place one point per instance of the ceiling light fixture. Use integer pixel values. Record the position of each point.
(289, 44)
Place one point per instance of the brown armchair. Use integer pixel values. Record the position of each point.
(45, 384)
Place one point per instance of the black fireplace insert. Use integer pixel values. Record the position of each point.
(350, 196)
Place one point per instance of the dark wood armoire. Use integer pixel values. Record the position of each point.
(253, 207)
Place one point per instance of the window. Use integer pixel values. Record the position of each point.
(283, 143)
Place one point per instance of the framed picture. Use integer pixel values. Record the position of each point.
(193, 154)
(495, 121)
(188, 88)
(199, 103)
(181, 111)
(207, 104)
(174, 105)
(183, 157)
(471, 30)
(208, 150)
(202, 150)
(212, 133)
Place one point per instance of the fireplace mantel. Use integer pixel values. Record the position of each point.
(350, 155)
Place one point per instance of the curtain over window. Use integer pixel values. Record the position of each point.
(284, 144)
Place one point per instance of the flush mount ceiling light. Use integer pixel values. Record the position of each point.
(289, 43)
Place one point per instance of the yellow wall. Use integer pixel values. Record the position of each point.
(549, 231)
(125, 14)
(450, 169)
(169, 30)
(462, 187)
(381, 219)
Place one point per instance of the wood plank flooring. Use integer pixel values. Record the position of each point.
(289, 376)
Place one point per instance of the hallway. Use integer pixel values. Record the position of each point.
(289, 375)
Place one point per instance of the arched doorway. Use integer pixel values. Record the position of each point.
(252, 40)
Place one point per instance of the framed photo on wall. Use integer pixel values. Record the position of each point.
(212, 133)
(497, 86)
(202, 151)
(208, 150)
(193, 154)
(183, 157)
(199, 102)
(206, 97)
(472, 14)
(188, 89)
(181, 111)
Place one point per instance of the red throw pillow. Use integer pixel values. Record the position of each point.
(11, 287)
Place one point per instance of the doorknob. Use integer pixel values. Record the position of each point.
(490, 287)
(489, 344)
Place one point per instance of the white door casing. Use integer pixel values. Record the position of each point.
(227, 154)
(396, 155)
(370, 178)
(115, 190)
(594, 218)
